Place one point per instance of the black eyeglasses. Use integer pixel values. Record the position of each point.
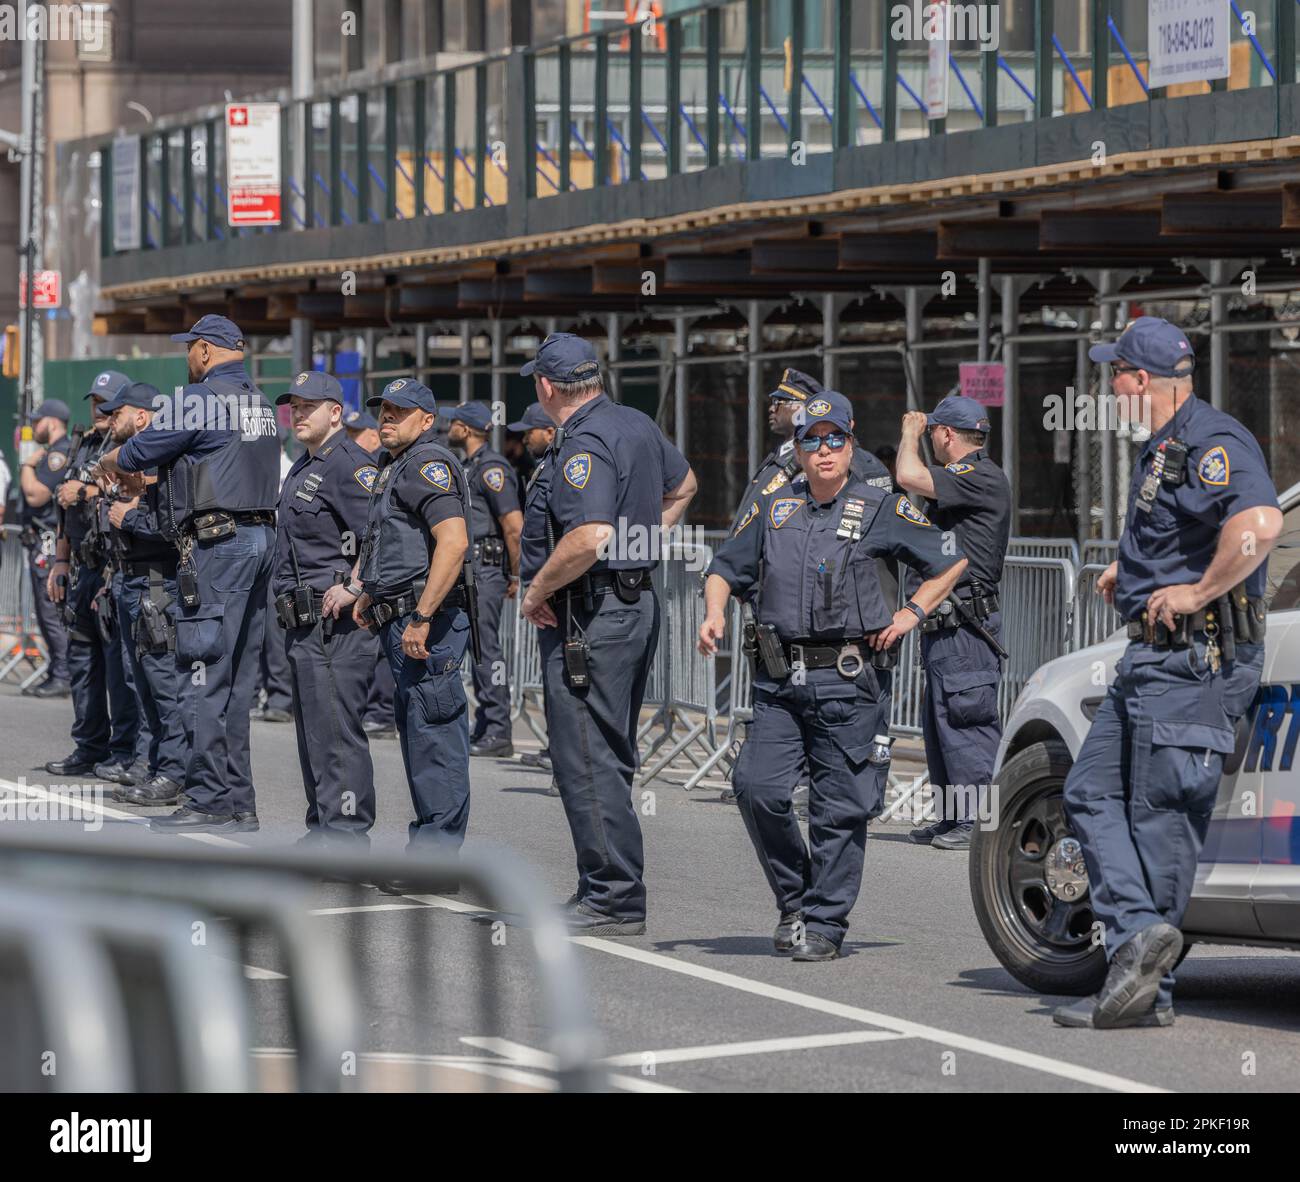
(835, 440)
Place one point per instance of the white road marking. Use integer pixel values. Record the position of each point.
(253, 973)
(369, 907)
(39, 793)
(526, 1056)
(763, 1046)
(945, 1038)
(899, 1026)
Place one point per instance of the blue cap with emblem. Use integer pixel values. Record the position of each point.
(216, 330)
(829, 406)
(473, 414)
(564, 357)
(961, 413)
(1152, 344)
(141, 395)
(535, 418)
(796, 386)
(360, 420)
(406, 392)
(314, 385)
(54, 408)
(108, 384)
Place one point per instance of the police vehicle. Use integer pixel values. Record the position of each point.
(1028, 878)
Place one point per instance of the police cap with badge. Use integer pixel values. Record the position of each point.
(406, 392)
(563, 357)
(314, 386)
(534, 419)
(473, 414)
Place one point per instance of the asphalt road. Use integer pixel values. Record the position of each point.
(917, 1004)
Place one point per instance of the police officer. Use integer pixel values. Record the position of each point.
(323, 508)
(1190, 579)
(146, 594)
(412, 566)
(969, 497)
(826, 638)
(610, 473)
(495, 521)
(218, 488)
(378, 722)
(781, 465)
(106, 715)
(36, 480)
(538, 431)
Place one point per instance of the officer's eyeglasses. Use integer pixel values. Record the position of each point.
(812, 443)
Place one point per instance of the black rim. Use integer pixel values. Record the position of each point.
(1051, 929)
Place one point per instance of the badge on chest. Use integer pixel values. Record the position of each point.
(307, 492)
(851, 519)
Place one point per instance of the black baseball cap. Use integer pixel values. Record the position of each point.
(315, 385)
(406, 392)
(138, 394)
(108, 385)
(564, 357)
(216, 330)
(534, 418)
(473, 414)
(1152, 344)
(54, 408)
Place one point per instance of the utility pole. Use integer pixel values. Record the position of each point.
(31, 220)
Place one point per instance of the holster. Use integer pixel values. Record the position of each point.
(154, 630)
(105, 616)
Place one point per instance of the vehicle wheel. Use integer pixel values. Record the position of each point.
(1029, 883)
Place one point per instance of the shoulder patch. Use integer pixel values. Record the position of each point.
(577, 469)
(55, 460)
(1213, 468)
(775, 483)
(909, 512)
(958, 468)
(495, 478)
(750, 514)
(782, 510)
(365, 476)
(437, 474)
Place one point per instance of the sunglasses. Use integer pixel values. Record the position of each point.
(812, 443)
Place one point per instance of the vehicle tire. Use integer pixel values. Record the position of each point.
(1041, 935)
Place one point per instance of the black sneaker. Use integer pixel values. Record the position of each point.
(115, 771)
(71, 765)
(502, 748)
(927, 833)
(957, 838)
(815, 946)
(1082, 1015)
(586, 921)
(50, 689)
(186, 820)
(1132, 982)
(783, 939)
(158, 791)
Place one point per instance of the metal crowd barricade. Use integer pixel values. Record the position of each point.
(24, 649)
(739, 697)
(1025, 547)
(690, 689)
(1100, 550)
(1036, 596)
(253, 986)
(1094, 619)
(527, 699)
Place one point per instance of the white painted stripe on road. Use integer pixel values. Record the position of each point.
(946, 1038)
(253, 973)
(358, 910)
(526, 1056)
(39, 793)
(762, 1046)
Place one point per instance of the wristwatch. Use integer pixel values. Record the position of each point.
(916, 609)
(354, 589)
(418, 618)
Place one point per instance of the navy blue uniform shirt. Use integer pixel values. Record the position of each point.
(973, 499)
(614, 465)
(494, 492)
(322, 513)
(50, 472)
(813, 582)
(1175, 542)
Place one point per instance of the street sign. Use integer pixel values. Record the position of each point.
(126, 193)
(1188, 41)
(983, 381)
(47, 291)
(253, 164)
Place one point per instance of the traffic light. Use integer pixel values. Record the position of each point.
(13, 358)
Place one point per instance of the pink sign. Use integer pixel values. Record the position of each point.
(982, 381)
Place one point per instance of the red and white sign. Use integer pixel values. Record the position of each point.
(47, 291)
(253, 164)
(936, 65)
(983, 381)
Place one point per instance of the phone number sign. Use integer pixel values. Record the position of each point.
(1188, 41)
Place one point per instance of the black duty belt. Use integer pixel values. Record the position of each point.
(392, 607)
(626, 584)
(946, 616)
(848, 656)
(164, 569)
(1247, 615)
(221, 524)
(490, 552)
